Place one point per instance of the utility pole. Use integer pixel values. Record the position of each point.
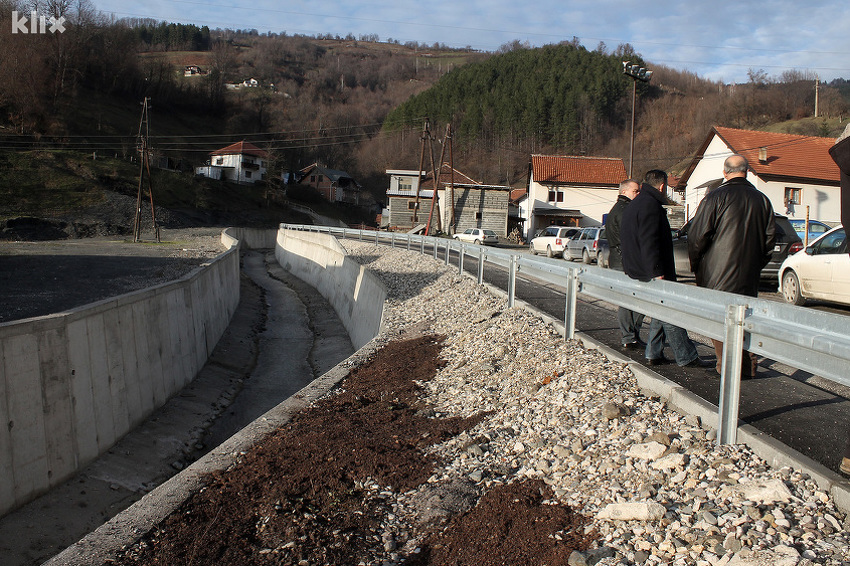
(425, 133)
(144, 150)
(817, 88)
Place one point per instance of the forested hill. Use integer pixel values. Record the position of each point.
(562, 96)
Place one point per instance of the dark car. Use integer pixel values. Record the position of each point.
(787, 243)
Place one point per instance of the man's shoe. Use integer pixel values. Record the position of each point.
(658, 361)
(634, 346)
(845, 466)
(699, 363)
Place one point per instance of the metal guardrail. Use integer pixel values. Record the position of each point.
(812, 341)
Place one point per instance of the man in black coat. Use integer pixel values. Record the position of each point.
(730, 240)
(840, 153)
(646, 244)
(628, 320)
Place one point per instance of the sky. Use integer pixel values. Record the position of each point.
(722, 40)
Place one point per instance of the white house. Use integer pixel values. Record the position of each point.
(795, 172)
(241, 162)
(570, 190)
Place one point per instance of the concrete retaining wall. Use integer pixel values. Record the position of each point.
(72, 384)
(356, 293)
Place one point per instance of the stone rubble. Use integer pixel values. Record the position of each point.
(657, 487)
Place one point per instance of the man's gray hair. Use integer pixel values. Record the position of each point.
(735, 164)
(624, 185)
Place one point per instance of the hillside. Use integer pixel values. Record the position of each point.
(351, 104)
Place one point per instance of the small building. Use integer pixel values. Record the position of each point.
(795, 172)
(570, 191)
(192, 70)
(333, 185)
(241, 162)
(411, 205)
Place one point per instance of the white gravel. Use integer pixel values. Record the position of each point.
(657, 487)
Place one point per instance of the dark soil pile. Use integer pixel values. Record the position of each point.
(307, 493)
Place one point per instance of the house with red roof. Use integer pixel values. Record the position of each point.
(241, 162)
(795, 172)
(570, 191)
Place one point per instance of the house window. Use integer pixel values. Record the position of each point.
(478, 216)
(321, 178)
(412, 205)
(792, 195)
(405, 186)
(219, 160)
(312, 178)
(247, 174)
(556, 196)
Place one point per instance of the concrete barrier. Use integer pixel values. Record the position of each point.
(358, 297)
(73, 383)
(356, 293)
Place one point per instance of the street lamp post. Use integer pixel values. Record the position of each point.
(637, 73)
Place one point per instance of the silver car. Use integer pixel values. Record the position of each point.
(587, 245)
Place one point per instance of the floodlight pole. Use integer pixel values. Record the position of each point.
(637, 73)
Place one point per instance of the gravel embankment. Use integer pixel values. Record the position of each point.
(658, 489)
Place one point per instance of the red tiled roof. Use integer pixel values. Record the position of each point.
(241, 148)
(804, 157)
(517, 194)
(565, 169)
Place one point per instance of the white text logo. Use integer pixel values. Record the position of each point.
(37, 24)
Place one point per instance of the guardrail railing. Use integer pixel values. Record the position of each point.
(812, 341)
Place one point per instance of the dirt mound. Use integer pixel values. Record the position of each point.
(320, 490)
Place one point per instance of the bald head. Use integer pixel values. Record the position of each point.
(735, 166)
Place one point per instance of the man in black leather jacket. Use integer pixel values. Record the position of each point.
(628, 320)
(730, 240)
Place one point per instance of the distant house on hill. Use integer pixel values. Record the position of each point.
(192, 70)
(795, 172)
(461, 202)
(241, 162)
(570, 190)
(333, 185)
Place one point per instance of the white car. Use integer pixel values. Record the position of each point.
(821, 272)
(552, 240)
(478, 236)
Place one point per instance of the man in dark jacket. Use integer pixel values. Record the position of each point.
(730, 240)
(647, 247)
(628, 320)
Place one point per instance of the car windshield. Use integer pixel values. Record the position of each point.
(489, 233)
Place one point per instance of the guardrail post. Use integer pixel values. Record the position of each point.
(360, 236)
(730, 378)
(480, 266)
(461, 253)
(512, 281)
(392, 240)
(408, 242)
(422, 245)
(570, 306)
(377, 233)
(447, 252)
(434, 247)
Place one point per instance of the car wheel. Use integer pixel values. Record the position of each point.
(549, 251)
(477, 242)
(585, 257)
(791, 289)
(531, 249)
(600, 261)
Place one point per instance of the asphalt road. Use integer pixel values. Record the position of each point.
(805, 412)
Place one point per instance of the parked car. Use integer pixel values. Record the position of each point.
(816, 229)
(822, 272)
(585, 245)
(787, 243)
(478, 236)
(552, 240)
